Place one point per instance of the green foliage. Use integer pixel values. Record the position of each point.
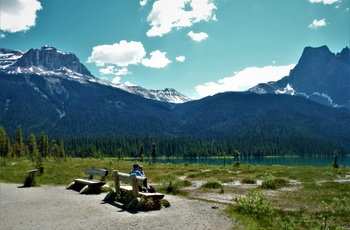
(171, 186)
(211, 185)
(148, 204)
(329, 211)
(271, 182)
(248, 181)
(253, 204)
(335, 159)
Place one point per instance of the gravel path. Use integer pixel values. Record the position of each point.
(54, 207)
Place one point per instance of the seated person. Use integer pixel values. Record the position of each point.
(138, 170)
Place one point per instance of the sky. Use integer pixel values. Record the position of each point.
(197, 47)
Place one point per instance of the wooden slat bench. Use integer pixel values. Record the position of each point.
(90, 183)
(135, 182)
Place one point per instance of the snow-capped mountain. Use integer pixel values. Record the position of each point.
(320, 75)
(168, 94)
(48, 61)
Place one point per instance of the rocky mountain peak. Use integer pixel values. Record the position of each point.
(49, 58)
(320, 75)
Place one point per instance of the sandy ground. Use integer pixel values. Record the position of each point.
(54, 207)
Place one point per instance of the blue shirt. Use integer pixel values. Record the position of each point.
(137, 172)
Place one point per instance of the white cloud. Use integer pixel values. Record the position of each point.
(326, 2)
(122, 71)
(157, 60)
(180, 58)
(107, 70)
(143, 2)
(169, 14)
(318, 23)
(128, 83)
(122, 54)
(112, 70)
(198, 37)
(116, 80)
(18, 15)
(243, 80)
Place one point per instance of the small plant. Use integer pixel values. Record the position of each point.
(329, 212)
(271, 182)
(288, 224)
(124, 197)
(147, 204)
(248, 181)
(335, 159)
(211, 185)
(253, 204)
(171, 186)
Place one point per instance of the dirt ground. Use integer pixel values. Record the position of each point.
(54, 207)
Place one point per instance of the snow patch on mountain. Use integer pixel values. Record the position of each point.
(287, 90)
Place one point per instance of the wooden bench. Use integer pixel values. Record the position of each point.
(136, 182)
(90, 183)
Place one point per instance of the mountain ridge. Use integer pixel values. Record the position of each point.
(52, 62)
(320, 75)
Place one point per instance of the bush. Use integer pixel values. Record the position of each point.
(253, 204)
(272, 182)
(147, 204)
(171, 186)
(248, 181)
(211, 185)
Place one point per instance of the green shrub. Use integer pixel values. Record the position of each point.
(148, 204)
(171, 186)
(253, 204)
(211, 185)
(271, 182)
(248, 181)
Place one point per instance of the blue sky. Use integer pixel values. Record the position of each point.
(198, 47)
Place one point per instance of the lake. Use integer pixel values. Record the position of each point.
(288, 161)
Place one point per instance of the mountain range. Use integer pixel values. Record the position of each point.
(51, 91)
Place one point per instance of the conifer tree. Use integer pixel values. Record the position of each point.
(142, 155)
(154, 152)
(61, 149)
(5, 145)
(32, 147)
(120, 154)
(43, 145)
(18, 147)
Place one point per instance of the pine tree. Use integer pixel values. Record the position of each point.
(120, 154)
(32, 147)
(61, 149)
(43, 145)
(154, 152)
(18, 147)
(142, 155)
(4, 143)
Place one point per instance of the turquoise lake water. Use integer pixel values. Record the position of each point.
(289, 161)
